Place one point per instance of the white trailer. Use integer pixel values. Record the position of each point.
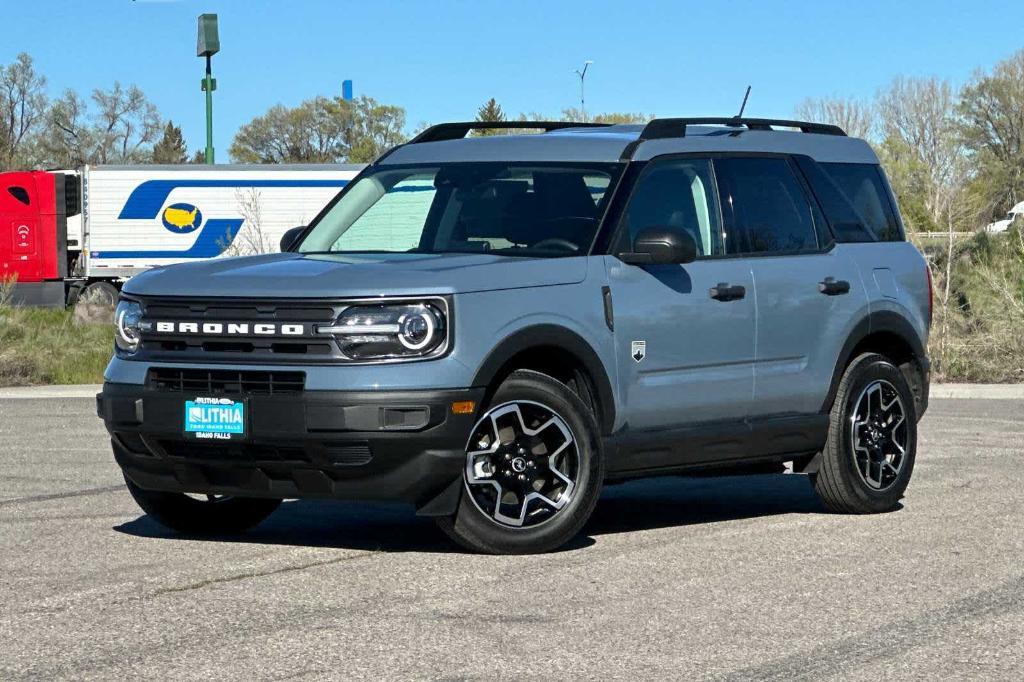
(137, 217)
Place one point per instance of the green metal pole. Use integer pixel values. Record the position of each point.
(209, 85)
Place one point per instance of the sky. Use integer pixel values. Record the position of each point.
(441, 59)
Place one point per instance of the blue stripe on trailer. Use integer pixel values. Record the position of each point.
(147, 199)
(213, 240)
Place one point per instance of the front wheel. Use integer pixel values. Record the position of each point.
(202, 514)
(872, 441)
(533, 469)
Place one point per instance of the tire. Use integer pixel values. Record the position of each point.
(187, 514)
(872, 476)
(100, 293)
(564, 466)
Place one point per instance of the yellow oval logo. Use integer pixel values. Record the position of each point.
(182, 218)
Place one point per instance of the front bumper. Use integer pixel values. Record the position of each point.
(402, 446)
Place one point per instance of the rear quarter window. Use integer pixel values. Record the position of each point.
(865, 189)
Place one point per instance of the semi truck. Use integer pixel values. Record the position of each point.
(87, 230)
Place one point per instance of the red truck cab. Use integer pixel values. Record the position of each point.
(33, 235)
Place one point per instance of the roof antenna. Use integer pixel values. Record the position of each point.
(744, 105)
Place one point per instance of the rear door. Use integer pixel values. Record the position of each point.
(808, 294)
(684, 357)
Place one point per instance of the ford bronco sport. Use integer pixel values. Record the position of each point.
(491, 328)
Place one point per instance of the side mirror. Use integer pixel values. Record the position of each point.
(290, 237)
(661, 245)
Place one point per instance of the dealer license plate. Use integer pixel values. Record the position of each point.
(215, 419)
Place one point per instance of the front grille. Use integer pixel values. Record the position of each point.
(251, 311)
(216, 381)
(349, 455)
(238, 346)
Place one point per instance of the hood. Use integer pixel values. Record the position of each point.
(294, 275)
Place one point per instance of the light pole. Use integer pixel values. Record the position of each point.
(582, 73)
(207, 46)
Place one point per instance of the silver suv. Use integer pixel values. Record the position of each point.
(492, 328)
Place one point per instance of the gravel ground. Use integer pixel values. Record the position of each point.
(728, 578)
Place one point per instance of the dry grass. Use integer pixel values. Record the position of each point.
(984, 319)
(978, 336)
(42, 346)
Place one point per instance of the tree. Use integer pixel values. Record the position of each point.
(856, 118)
(252, 239)
(126, 124)
(489, 112)
(121, 130)
(171, 147)
(919, 123)
(377, 128)
(22, 110)
(992, 111)
(320, 130)
(908, 176)
(572, 114)
(68, 141)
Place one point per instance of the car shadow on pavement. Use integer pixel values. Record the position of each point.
(684, 501)
(671, 501)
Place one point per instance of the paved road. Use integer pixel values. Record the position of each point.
(736, 578)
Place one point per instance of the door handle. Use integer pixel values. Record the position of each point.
(834, 287)
(726, 292)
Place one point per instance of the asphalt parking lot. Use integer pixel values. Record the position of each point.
(741, 578)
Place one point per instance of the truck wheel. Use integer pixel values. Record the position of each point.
(872, 440)
(100, 293)
(202, 514)
(534, 469)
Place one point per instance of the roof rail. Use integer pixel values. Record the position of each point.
(661, 128)
(457, 131)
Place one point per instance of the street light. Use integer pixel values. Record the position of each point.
(582, 73)
(207, 46)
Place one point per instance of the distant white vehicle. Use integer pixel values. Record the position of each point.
(1003, 225)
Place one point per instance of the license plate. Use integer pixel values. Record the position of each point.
(215, 419)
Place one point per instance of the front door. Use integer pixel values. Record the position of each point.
(684, 334)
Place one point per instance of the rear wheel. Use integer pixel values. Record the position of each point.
(869, 456)
(203, 514)
(100, 293)
(533, 469)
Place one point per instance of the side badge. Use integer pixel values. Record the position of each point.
(639, 350)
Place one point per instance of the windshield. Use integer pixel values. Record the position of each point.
(515, 209)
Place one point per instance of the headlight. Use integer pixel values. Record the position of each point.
(391, 331)
(127, 318)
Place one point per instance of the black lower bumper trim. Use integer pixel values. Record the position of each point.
(404, 446)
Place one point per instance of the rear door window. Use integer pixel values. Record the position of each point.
(865, 190)
(764, 205)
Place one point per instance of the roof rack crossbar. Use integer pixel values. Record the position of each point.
(457, 131)
(660, 128)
